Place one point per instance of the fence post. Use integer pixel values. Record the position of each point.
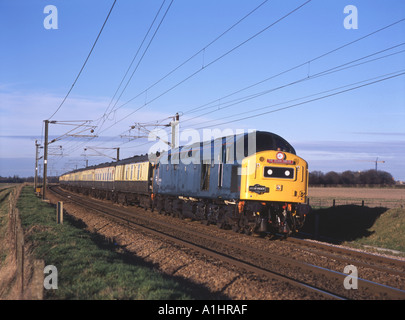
(38, 280)
(59, 213)
(20, 260)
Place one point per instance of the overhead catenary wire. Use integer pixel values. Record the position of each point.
(85, 62)
(105, 116)
(319, 74)
(326, 94)
(300, 65)
(206, 66)
(328, 71)
(354, 41)
(272, 77)
(387, 77)
(192, 56)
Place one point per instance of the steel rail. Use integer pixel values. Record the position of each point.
(396, 266)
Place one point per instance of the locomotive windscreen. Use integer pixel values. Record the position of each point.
(268, 141)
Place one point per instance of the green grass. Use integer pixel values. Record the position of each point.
(358, 226)
(388, 231)
(88, 267)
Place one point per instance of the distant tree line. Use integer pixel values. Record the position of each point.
(370, 177)
(13, 179)
(17, 179)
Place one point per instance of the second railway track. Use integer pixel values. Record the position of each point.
(291, 263)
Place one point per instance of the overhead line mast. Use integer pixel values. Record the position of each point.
(46, 143)
(174, 131)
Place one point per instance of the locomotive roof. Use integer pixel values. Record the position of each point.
(264, 141)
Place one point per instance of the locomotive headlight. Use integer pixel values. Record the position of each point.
(278, 172)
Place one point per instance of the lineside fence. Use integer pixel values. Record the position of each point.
(371, 203)
(29, 272)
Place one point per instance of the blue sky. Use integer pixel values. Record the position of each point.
(341, 105)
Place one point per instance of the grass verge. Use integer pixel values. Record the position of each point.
(4, 194)
(360, 226)
(88, 267)
(388, 231)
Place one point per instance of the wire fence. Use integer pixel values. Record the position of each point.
(371, 203)
(28, 272)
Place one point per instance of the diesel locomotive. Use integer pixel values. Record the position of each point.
(250, 182)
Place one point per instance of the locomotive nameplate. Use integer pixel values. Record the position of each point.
(282, 161)
(259, 189)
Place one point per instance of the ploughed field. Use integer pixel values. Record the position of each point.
(372, 197)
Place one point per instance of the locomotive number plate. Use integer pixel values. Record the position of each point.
(257, 188)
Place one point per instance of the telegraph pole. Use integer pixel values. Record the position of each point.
(45, 158)
(376, 161)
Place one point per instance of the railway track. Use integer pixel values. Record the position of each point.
(258, 256)
(355, 257)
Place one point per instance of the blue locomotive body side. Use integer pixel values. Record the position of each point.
(209, 181)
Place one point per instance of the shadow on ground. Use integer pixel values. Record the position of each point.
(194, 290)
(342, 223)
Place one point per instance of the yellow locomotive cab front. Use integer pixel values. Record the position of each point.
(274, 176)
